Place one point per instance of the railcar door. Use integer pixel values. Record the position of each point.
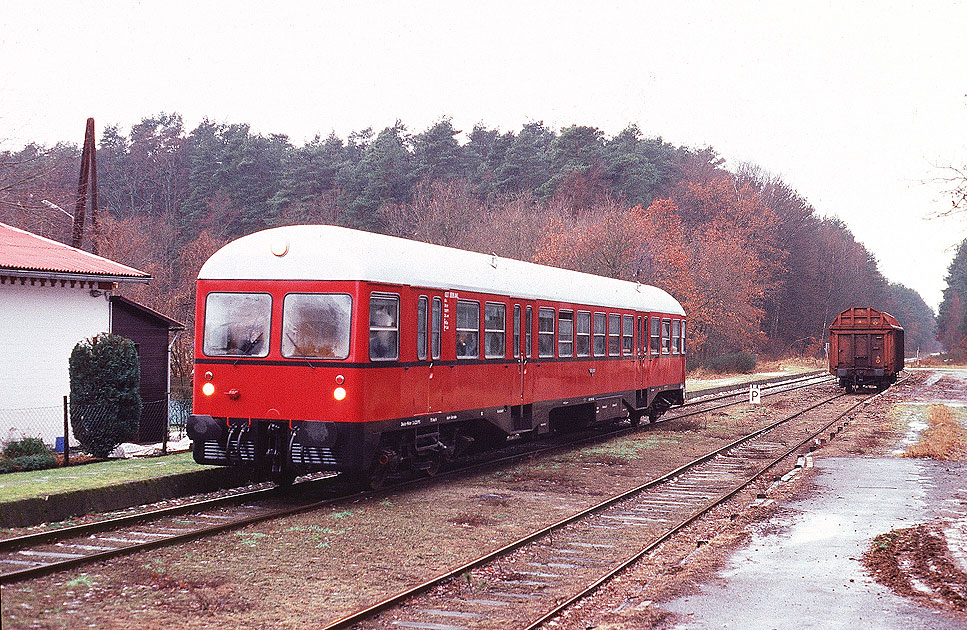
(523, 347)
(844, 346)
(641, 357)
(876, 347)
(861, 351)
(438, 322)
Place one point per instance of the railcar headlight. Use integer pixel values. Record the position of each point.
(339, 393)
(208, 388)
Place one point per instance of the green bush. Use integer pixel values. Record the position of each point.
(105, 402)
(35, 462)
(27, 454)
(737, 362)
(25, 446)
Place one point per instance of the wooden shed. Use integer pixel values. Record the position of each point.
(150, 331)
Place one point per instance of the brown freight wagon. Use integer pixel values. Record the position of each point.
(865, 348)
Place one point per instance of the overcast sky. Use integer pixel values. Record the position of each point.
(855, 105)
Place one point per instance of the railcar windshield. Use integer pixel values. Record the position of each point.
(237, 324)
(316, 325)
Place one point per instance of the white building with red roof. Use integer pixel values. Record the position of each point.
(52, 296)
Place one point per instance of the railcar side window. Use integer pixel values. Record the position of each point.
(421, 312)
(583, 329)
(545, 332)
(436, 328)
(316, 325)
(495, 323)
(237, 324)
(468, 329)
(666, 334)
(516, 331)
(614, 334)
(384, 327)
(655, 335)
(676, 333)
(529, 331)
(600, 334)
(627, 340)
(565, 334)
(641, 338)
(683, 336)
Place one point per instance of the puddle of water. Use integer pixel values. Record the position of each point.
(915, 427)
(802, 568)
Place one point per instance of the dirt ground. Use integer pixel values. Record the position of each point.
(313, 568)
(915, 563)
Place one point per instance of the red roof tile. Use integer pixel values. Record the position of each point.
(22, 251)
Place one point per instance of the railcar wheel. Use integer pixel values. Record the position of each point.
(436, 462)
(635, 417)
(372, 479)
(849, 388)
(286, 479)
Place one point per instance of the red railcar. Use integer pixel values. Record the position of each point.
(325, 348)
(865, 348)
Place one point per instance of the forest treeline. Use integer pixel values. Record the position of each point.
(755, 266)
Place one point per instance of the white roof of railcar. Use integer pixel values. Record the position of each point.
(327, 252)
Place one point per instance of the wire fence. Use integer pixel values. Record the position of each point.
(161, 422)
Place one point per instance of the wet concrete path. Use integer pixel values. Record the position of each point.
(802, 568)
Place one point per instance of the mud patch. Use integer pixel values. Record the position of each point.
(915, 562)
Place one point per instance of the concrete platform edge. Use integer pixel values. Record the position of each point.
(57, 507)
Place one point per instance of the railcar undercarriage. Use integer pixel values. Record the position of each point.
(283, 450)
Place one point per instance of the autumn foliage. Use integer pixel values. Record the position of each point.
(755, 267)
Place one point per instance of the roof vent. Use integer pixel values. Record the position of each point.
(493, 260)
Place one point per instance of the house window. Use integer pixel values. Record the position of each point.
(384, 327)
(614, 334)
(468, 329)
(565, 334)
(627, 337)
(600, 334)
(495, 324)
(545, 332)
(316, 325)
(237, 324)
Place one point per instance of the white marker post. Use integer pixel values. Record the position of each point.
(754, 396)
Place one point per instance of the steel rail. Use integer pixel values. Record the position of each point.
(398, 598)
(624, 564)
(26, 573)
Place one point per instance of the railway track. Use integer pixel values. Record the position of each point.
(532, 580)
(29, 556)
